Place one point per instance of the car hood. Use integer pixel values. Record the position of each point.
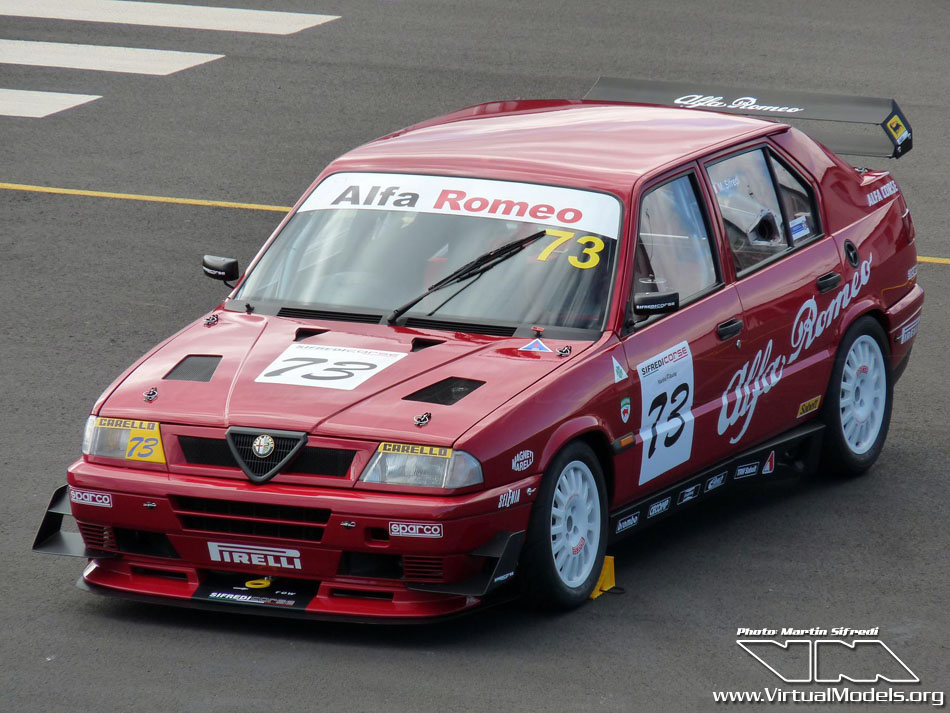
(248, 345)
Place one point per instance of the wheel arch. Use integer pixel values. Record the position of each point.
(588, 430)
(865, 308)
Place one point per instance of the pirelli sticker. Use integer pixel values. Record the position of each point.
(145, 438)
(809, 406)
(414, 450)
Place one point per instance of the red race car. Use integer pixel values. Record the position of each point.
(479, 350)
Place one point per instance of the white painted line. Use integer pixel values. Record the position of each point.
(193, 17)
(99, 57)
(17, 102)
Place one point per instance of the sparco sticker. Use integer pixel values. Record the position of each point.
(90, 497)
(666, 424)
(415, 529)
(504, 200)
(327, 367)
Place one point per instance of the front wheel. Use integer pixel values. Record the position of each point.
(567, 536)
(858, 407)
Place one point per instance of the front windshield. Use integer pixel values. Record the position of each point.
(372, 242)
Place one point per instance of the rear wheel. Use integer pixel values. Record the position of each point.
(858, 406)
(567, 536)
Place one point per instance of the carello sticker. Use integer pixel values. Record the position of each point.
(414, 450)
(625, 409)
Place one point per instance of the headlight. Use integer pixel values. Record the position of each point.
(422, 466)
(123, 439)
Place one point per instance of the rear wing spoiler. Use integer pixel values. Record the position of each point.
(896, 142)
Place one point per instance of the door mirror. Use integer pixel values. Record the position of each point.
(220, 268)
(650, 303)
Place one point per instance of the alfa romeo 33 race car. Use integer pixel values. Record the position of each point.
(480, 349)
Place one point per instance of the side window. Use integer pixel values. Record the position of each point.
(749, 207)
(674, 253)
(797, 202)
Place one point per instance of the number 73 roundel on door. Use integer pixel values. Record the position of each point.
(666, 426)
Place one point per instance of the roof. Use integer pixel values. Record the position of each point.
(591, 144)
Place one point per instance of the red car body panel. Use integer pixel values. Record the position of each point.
(531, 402)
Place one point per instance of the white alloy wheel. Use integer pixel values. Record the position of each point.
(863, 394)
(575, 523)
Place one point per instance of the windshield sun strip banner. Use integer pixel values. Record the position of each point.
(477, 197)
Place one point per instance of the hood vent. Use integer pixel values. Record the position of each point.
(194, 368)
(306, 333)
(420, 343)
(299, 313)
(445, 392)
(497, 330)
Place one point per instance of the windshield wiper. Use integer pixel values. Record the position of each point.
(481, 264)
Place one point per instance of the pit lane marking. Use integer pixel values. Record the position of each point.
(36, 105)
(156, 14)
(138, 197)
(221, 204)
(129, 60)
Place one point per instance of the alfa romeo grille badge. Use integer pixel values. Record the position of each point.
(263, 446)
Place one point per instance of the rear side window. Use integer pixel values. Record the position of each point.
(749, 206)
(674, 253)
(797, 202)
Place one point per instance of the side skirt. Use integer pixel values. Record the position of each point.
(791, 454)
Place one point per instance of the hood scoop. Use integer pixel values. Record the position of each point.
(420, 343)
(307, 332)
(446, 392)
(194, 367)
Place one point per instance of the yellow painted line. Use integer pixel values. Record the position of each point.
(138, 197)
(222, 204)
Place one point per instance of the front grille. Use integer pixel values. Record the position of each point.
(97, 537)
(334, 462)
(207, 451)
(257, 519)
(422, 568)
(331, 462)
(254, 465)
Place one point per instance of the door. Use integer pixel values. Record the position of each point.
(680, 361)
(791, 285)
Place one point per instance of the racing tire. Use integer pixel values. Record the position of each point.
(857, 410)
(567, 535)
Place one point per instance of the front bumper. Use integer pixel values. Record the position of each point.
(285, 550)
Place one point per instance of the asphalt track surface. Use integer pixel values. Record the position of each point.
(90, 283)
